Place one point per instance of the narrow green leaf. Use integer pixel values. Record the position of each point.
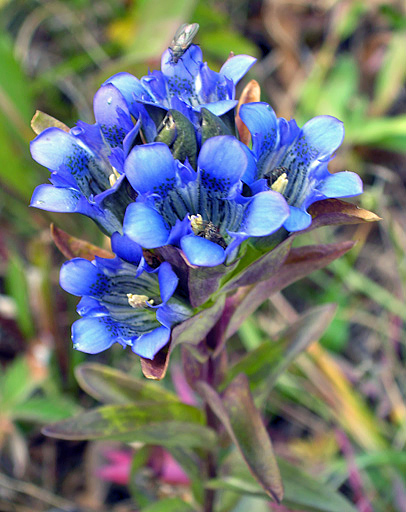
(166, 424)
(115, 387)
(309, 328)
(302, 491)
(44, 409)
(16, 384)
(237, 412)
(300, 262)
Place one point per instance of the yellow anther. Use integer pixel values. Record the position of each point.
(280, 184)
(113, 177)
(138, 301)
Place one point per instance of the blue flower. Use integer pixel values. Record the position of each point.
(83, 176)
(186, 86)
(123, 301)
(293, 160)
(201, 212)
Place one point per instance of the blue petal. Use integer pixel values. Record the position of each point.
(202, 252)
(78, 277)
(112, 114)
(130, 87)
(126, 249)
(262, 123)
(151, 168)
(187, 67)
(145, 226)
(91, 307)
(341, 184)
(222, 161)
(236, 67)
(250, 173)
(93, 335)
(55, 199)
(168, 281)
(173, 313)
(323, 135)
(147, 345)
(52, 147)
(298, 219)
(65, 153)
(265, 214)
(218, 108)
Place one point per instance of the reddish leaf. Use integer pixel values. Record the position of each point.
(250, 94)
(73, 247)
(334, 211)
(237, 412)
(300, 262)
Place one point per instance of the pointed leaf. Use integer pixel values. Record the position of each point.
(251, 93)
(161, 423)
(300, 262)
(237, 412)
(302, 491)
(73, 247)
(204, 281)
(334, 212)
(155, 369)
(115, 387)
(267, 362)
(42, 121)
(262, 268)
(193, 330)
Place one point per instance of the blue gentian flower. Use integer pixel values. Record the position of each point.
(186, 85)
(293, 160)
(201, 212)
(86, 164)
(123, 301)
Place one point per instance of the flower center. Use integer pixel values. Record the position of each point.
(206, 229)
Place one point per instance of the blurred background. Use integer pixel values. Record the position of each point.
(339, 412)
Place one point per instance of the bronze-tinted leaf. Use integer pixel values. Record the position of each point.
(242, 420)
(300, 262)
(112, 386)
(155, 369)
(42, 121)
(334, 211)
(73, 247)
(161, 423)
(250, 94)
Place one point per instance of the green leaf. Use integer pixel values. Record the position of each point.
(237, 412)
(16, 384)
(302, 491)
(115, 387)
(169, 505)
(194, 330)
(44, 409)
(165, 424)
(17, 288)
(300, 262)
(269, 360)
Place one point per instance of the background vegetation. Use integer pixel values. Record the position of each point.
(338, 412)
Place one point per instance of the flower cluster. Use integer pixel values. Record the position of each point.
(163, 166)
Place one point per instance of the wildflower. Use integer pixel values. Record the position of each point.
(123, 301)
(185, 85)
(83, 180)
(201, 212)
(293, 160)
